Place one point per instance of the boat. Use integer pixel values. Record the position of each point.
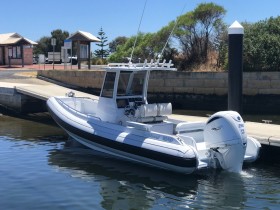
(122, 123)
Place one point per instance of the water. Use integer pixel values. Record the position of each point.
(41, 169)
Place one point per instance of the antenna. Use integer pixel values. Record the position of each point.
(176, 22)
(137, 32)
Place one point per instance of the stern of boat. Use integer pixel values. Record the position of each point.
(226, 140)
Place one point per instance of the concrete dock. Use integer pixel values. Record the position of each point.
(44, 92)
(22, 92)
(15, 91)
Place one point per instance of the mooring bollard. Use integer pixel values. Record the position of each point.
(235, 71)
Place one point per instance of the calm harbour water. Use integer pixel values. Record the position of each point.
(41, 169)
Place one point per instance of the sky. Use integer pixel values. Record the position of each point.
(34, 19)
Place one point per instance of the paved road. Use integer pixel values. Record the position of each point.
(20, 76)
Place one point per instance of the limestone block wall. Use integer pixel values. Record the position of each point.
(213, 83)
(190, 90)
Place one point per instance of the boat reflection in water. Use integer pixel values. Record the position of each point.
(124, 185)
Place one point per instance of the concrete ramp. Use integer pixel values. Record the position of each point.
(31, 98)
(44, 92)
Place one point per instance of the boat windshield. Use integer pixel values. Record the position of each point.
(131, 83)
(108, 88)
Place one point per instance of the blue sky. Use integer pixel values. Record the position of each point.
(34, 19)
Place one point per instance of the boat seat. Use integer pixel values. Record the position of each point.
(164, 109)
(153, 112)
(186, 127)
(146, 113)
(146, 110)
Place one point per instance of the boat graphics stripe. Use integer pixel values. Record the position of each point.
(158, 156)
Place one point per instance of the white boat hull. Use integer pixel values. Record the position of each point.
(183, 147)
(125, 143)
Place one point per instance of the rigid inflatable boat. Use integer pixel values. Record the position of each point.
(122, 123)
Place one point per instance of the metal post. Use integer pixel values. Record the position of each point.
(89, 64)
(71, 54)
(79, 54)
(22, 55)
(65, 57)
(9, 56)
(235, 73)
(53, 43)
(53, 58)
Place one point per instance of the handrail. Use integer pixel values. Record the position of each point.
(149, 66)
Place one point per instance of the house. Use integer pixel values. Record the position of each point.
(15, 50)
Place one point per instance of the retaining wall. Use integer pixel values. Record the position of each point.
(190, 90)
(10, 99)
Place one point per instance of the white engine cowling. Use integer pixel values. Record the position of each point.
(226, 139)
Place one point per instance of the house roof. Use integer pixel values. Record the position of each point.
(83, 36)
(14, 38)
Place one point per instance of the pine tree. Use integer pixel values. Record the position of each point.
(102, 52)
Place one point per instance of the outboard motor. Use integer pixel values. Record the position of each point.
(226, 140)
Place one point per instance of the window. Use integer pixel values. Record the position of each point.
(131, 83)
(138, 81)
(18, 52)
(108, 87)
(83, 51)
(15, 52)
(123, 83)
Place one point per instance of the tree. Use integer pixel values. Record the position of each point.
(196, 31)
(60, 36)
(148, 46)
(262, 45)
(209, 17)
(102, 52)
(220, 46)
(44, 44)
(195, 35)
(120, 40)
